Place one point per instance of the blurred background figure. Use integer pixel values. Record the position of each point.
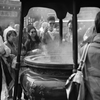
(69, 33)
(12, 24)
(48, 31)
(43, 31)
(52, 29)
(45, 35)
(16, 27)
(51, 21)
(37, 24)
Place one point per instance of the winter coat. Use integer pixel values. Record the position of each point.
(92, 69)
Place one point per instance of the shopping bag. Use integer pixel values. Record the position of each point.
(75, 84)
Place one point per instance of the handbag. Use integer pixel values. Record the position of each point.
(75, 87)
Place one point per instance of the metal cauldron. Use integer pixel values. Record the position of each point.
(45, 78)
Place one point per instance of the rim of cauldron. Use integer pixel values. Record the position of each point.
(49, 65)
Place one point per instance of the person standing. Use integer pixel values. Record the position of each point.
(92, 76)
(33, 41)
(52, 29)
(4, 52)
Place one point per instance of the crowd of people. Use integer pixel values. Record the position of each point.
(34, 38)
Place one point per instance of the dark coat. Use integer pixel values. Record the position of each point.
(30, 44)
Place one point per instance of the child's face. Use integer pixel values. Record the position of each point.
(12, 37)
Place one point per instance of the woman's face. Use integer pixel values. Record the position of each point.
(33, 33)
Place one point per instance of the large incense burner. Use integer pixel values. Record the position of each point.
(46, 74)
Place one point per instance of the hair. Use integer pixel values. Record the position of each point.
(51, 18)
(97, 22)
(9, 33)
(30, 27)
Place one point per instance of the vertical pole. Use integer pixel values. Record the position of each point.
(75, 46)
(61, 28)
(19, 53)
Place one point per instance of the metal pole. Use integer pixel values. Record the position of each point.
(75, 44)
(19, 53)
(61, 28)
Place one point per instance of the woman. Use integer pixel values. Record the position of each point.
(33, 41)
(93, 64)
(10, 38)
(12, 43)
